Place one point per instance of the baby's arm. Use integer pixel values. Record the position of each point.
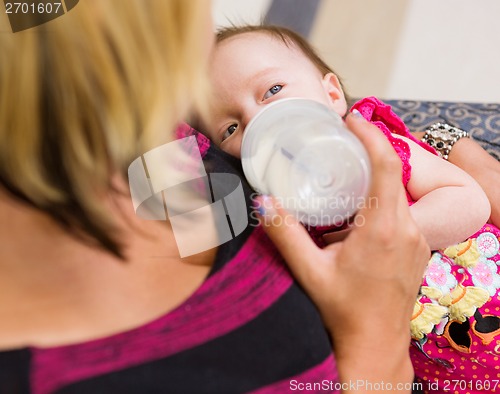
(450, 204)
(475, 161)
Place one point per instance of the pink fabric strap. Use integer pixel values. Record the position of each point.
(382, 116)
(184, 130)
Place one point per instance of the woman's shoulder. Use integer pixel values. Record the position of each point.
(248, 316)
(248, 319)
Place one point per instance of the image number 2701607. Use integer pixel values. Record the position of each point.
(25, 15)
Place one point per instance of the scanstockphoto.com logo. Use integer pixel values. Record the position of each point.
(25, 15)
(170, 183)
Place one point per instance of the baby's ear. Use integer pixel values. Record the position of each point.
(333, 89)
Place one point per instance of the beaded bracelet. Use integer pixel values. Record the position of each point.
(442, 137)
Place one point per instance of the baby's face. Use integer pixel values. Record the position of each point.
(252, 70)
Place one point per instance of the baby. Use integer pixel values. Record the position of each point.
(456, 322)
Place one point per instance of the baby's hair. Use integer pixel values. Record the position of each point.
(287, 36)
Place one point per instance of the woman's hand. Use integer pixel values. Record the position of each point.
(365, 286)
(473, 159)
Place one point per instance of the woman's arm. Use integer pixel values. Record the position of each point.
(450, 205)
(365, 286)
(485, 169)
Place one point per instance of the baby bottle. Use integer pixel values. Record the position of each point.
(301, 152)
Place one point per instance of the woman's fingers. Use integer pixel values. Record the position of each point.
(371, 276)
(386, 213)
(386, 187)
(290, 237)
(334, 276)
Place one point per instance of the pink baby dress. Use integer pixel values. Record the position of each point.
(455, 325)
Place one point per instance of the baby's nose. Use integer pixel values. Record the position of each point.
(248, 116)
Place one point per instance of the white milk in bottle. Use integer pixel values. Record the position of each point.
(301, 152)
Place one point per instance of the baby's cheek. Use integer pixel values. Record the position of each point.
(233, 145)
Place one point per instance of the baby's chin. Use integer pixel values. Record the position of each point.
(234, 154)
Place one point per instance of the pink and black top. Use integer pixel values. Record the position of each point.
(248, 328)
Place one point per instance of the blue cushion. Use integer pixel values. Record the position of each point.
(482, 121)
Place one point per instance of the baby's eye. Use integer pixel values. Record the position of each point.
(229, 131)
(271, 92)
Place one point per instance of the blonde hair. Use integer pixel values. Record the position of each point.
(85, 94)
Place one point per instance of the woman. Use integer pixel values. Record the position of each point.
(94, 299)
